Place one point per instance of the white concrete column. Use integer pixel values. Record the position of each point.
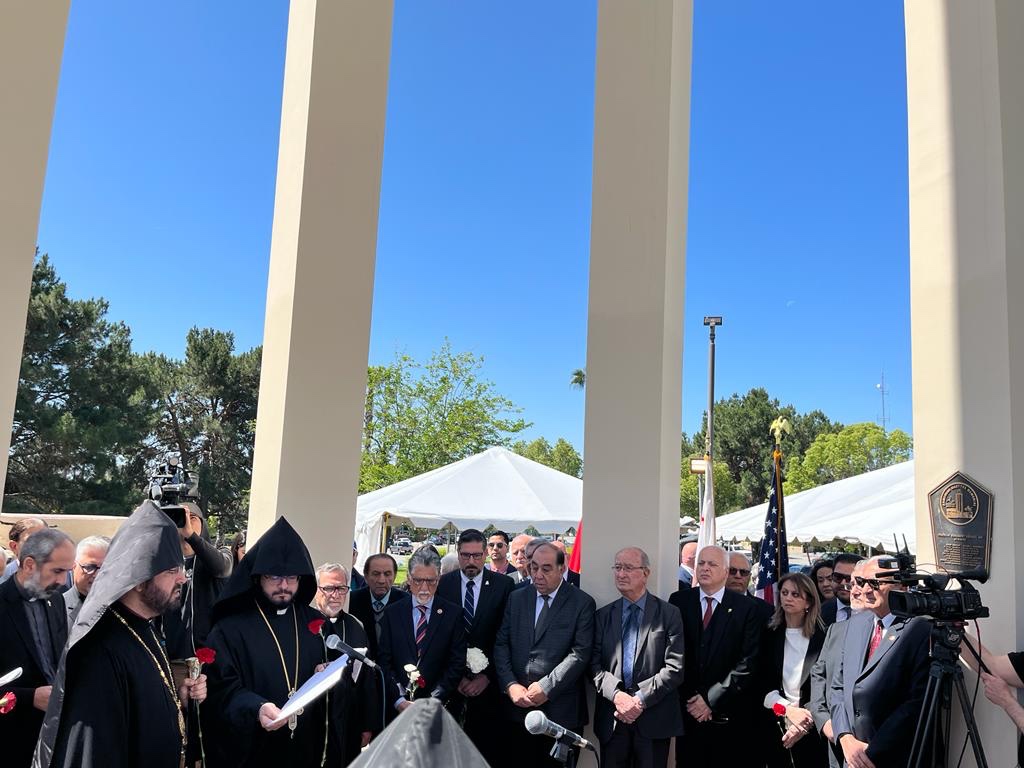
(31, 49)
(637, 258)
(320, 289)
(965, 99)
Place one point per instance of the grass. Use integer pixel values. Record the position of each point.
(403, 573)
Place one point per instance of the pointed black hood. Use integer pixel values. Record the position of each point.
(145, 545)
(425, 736)
(278, 552)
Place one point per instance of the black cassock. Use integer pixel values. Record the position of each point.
(118, 712)
(354, 704)
(247, 673)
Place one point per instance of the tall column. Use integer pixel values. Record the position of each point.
(320, 288)
(965, 105)
(637, 258)
(31, 49)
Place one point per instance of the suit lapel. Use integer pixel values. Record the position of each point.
(553, 609)
(19, 613)
(433, 623)
(652, 611)
(615, 635)
(719, 619)
(813, 649)
(889, 637)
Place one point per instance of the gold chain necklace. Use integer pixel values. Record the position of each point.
(163, 675)
(293, 721)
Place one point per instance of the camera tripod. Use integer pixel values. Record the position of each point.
(931, 737)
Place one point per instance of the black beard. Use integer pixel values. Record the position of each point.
(159, 602)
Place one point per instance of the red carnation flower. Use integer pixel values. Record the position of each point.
(206, 655)
(779, 709)
(7, 703)
(315, 625)
(421, 682)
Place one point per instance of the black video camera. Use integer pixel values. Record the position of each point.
(927, 594)
(170, 486)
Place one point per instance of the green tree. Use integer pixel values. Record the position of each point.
(418, 418)
(82, 409)
(727, 493)
(853, 450)
(208, 417)
(563, 456)
(578, 379)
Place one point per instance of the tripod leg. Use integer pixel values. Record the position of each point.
(926, 720)
(972, 724)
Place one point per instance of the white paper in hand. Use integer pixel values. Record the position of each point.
(313, 689)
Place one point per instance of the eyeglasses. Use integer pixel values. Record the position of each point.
(739, 571)
(472, 555)
(839, 578)
(423, 582)
(279, 579)
(862, 582)
(333, 590)
(88, 568)
(620, 567)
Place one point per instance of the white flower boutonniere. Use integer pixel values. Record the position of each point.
(476, 660)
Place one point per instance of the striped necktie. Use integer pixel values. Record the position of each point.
(421, 631)
(469, 605)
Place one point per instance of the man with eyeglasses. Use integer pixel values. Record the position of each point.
(497, 550)
(877, 691)
(482, 594)
(636, 667)
(838, 608)
(89, 556)
(353, 702)
(739, 582)
(428, 633)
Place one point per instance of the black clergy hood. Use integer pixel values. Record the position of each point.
(425, 736)
(278, 552)
(146, 544)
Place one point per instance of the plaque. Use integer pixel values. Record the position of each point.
(961, 514)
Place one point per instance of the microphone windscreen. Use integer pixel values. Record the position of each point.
(333, 642)
(535, 722)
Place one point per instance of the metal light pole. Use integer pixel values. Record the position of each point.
(712, 323)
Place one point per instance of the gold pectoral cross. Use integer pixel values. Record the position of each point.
(293, 720)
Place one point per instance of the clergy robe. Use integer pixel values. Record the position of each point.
(118, 712)
(354, 704)
(246, 674)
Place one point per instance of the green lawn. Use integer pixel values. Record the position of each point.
(402, 574)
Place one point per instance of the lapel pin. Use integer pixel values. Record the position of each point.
(487, 583)
(440, 610)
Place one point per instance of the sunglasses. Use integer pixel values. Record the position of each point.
(88, 568)
(739, 571)
(862, 582)
(839, 578)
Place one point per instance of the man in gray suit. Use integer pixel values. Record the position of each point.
(878, 687)
(541, 654)
(637, 666)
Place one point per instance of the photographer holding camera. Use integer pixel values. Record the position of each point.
(1000, 675)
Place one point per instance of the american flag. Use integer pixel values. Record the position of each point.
(774, 559)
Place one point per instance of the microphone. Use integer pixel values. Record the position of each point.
(335, 643)
(538, 724)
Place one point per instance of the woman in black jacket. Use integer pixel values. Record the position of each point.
(791, 646)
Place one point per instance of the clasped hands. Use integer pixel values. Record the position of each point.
(698, 709)
(801, 724)
(473, 685)
(627, 708)
(525, 697)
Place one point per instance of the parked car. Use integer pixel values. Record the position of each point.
(401, 546)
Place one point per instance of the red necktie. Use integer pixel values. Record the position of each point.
(876, 638)
(707, 613)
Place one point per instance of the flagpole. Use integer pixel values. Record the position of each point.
(707, 534)
(712, 323)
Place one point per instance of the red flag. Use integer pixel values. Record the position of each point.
(577, 548)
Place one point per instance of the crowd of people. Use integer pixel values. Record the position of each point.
(159, 649)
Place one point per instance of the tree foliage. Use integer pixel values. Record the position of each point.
(563, 456)
(82, 409)
(853, 450)
(727, 492)
(420, 417)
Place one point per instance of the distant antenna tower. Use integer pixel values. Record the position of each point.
(883, 392)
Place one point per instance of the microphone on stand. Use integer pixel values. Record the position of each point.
(335, 643)
(538, 724)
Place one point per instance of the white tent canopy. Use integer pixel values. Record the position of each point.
(866, 509)
(496, 487)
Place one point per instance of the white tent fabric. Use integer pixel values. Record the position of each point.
(496, 487)
(866, 509)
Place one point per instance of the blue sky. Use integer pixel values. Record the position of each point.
(160, 190)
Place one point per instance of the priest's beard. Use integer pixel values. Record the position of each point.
(34, 587)
(280, 598)
(159, 601)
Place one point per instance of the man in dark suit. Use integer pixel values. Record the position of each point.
(721, 631)
(637, 666)
(368, 604)
(33, 631)
(570, 577)
(427, 633)
(878, 687)
(687, 560)
(482, 594)
(838, 608)
(541, 654)
(828, 661)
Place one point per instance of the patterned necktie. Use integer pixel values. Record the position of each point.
(421, 631)
(542, 617)
(846, 612)
(707, 613)
(876, 639)
(469, 605)
(629, 633)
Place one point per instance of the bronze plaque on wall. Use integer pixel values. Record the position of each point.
(961, 513)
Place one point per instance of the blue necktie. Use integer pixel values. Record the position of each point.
(629, 632)
(468, 607)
